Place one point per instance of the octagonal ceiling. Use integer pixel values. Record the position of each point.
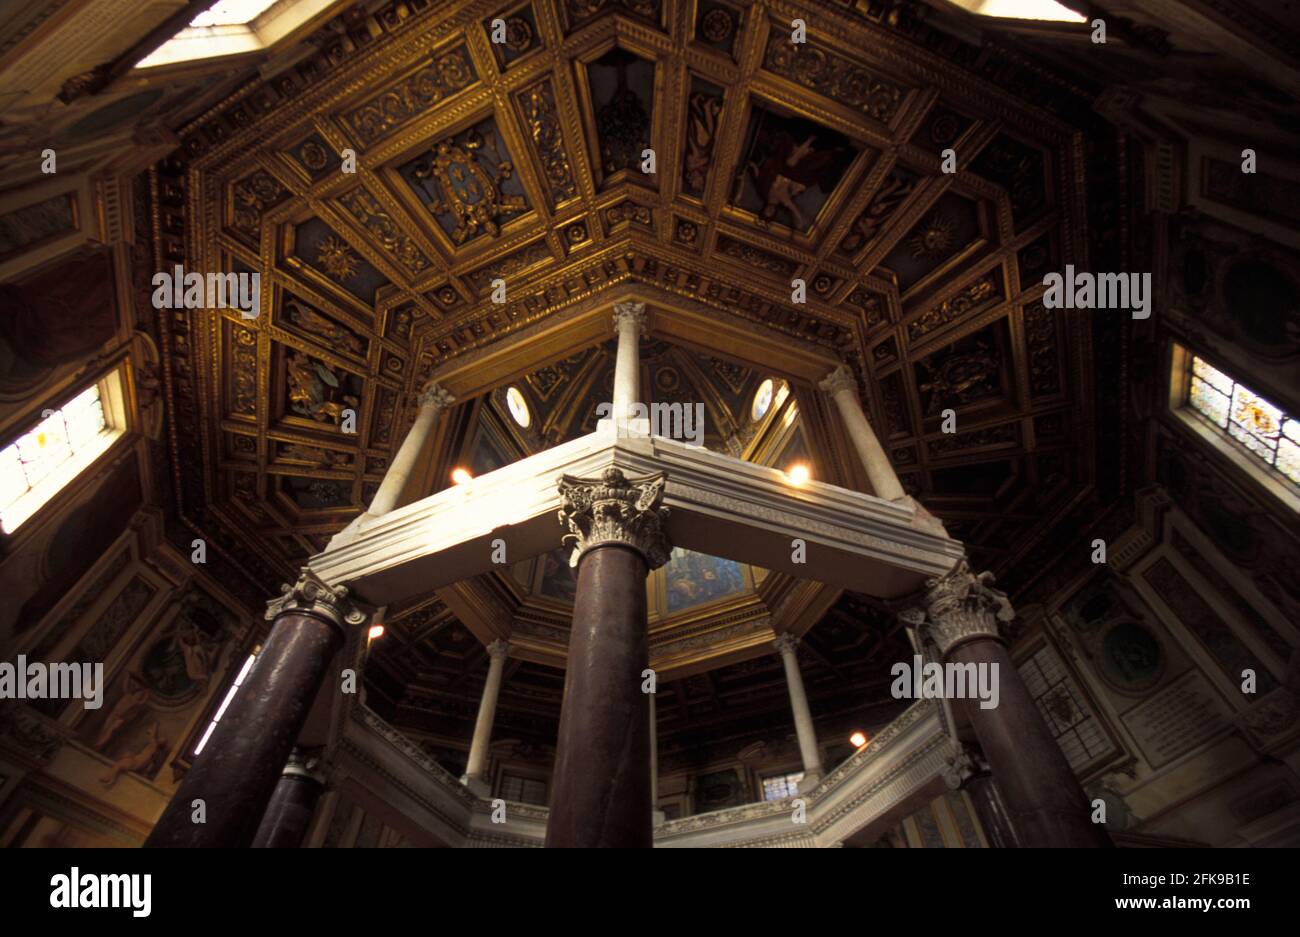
(521, 163)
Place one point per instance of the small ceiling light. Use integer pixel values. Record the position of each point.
(799, 474)
(461, 476)
(858, 739)
(376, 631)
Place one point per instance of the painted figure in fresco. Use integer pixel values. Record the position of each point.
(129, 705)
(314, 390)
(142, 762)
(693, 578)
(782, 168)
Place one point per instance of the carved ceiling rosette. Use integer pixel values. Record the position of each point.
(959, 606)
(616, 509)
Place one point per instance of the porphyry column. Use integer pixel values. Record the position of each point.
(601, 784)
(476, 769)
(239, 767)
(1046, 806)
(432, 402)
(803, 724)
(288, 815)
(880, 473)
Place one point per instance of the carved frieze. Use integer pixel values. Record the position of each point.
(537, 103)
(833, 75)
(385, 230)
(446, 74)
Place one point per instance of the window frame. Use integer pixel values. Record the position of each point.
(1180, 383)
(112, 388)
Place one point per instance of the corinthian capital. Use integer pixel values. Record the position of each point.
(629, 316)
(785, 643)
(313, 596)
(499, 649)
(959, 606)
(838, 380)
(616, 509)
(435, 396)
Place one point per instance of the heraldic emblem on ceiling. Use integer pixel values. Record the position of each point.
(467, 189)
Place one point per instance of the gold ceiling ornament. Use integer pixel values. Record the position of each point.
(308, 381)
(365, 208)
(701, 131)
(467, 189)
(538, 105)
(934, 238)
(337, 259)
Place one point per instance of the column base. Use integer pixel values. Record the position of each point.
(810, 780)
(477, 786)
(658, 817)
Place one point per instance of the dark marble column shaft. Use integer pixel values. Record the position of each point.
(1042, 796)
(293, 803)
(600, 789)
(600, 793)
(242, 762)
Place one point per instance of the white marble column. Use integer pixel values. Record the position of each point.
(843, 388)
(803, 724)
(629, 323)
(476, 769)
(432, 402)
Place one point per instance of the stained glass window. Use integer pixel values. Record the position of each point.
(1024, 9)
(781, 786)
(36, 466)
(1255, 423)
(230, 695)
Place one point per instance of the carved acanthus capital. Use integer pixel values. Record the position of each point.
(616, 509)
(312, 595)
(306, 763)
(841, 379)
(629, 316)
(959, 606)
(499, 649)
(435, 396)
(785, 643)
(963, 765)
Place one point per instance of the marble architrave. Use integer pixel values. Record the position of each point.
(718, 505)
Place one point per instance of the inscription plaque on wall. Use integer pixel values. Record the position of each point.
(1184, 714)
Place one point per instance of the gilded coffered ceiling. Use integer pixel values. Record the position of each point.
(518, 168)
(521, 163)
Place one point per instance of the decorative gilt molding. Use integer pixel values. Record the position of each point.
(958, 607)
(615, 509)
(313, 596)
